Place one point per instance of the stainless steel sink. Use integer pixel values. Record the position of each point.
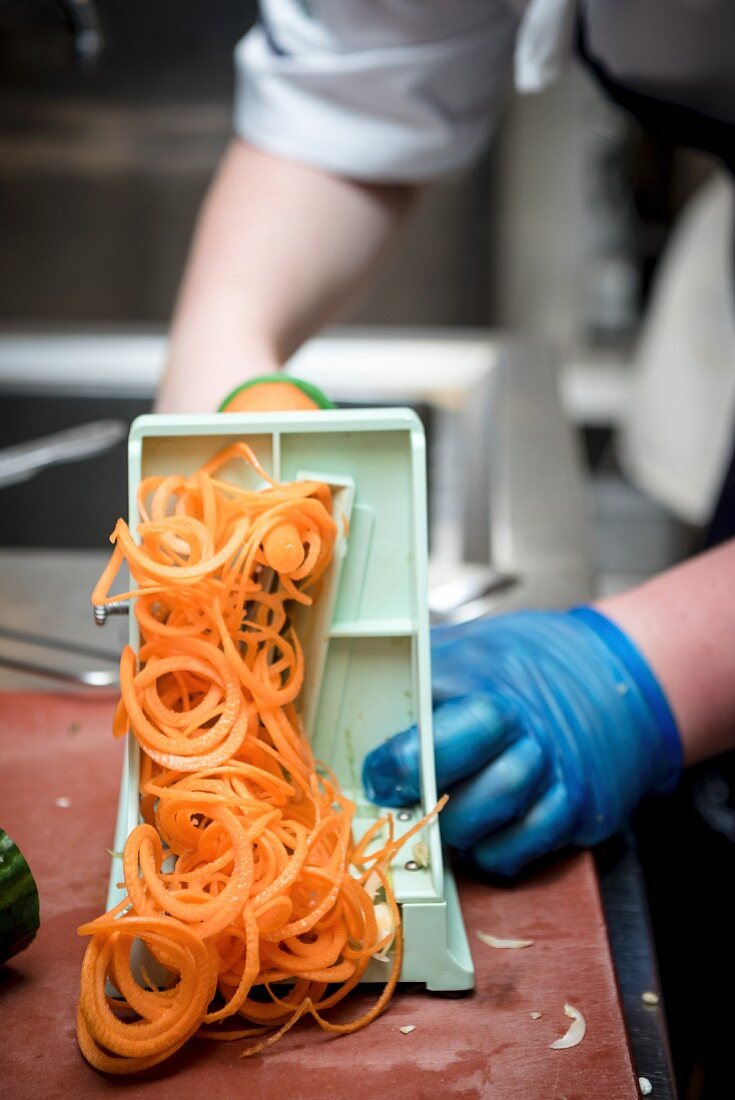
(506, 500)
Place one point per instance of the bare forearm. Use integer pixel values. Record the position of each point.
(684, 623)
(280, 249)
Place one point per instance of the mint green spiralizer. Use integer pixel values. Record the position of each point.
(366, 639)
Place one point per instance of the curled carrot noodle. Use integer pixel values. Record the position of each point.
(243, 883)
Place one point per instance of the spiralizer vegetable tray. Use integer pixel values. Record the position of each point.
(366, 639)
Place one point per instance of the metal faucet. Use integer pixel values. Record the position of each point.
(83, 18)
(88, 40)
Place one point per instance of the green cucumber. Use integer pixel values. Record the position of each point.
(19, 915)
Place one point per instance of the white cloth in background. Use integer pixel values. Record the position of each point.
(399, 90)
(679, 429)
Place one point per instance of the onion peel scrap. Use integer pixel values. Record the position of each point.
(503, 944)
(575, 1033)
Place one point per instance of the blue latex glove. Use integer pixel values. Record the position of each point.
(549, 727)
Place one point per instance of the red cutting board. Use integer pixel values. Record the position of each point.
(59, 775)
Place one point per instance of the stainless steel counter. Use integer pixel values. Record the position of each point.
(44, 596)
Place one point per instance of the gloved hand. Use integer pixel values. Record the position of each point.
(549, 727)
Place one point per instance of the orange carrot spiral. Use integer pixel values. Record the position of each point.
(243, 883)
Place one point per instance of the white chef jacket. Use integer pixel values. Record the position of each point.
(395, 90)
